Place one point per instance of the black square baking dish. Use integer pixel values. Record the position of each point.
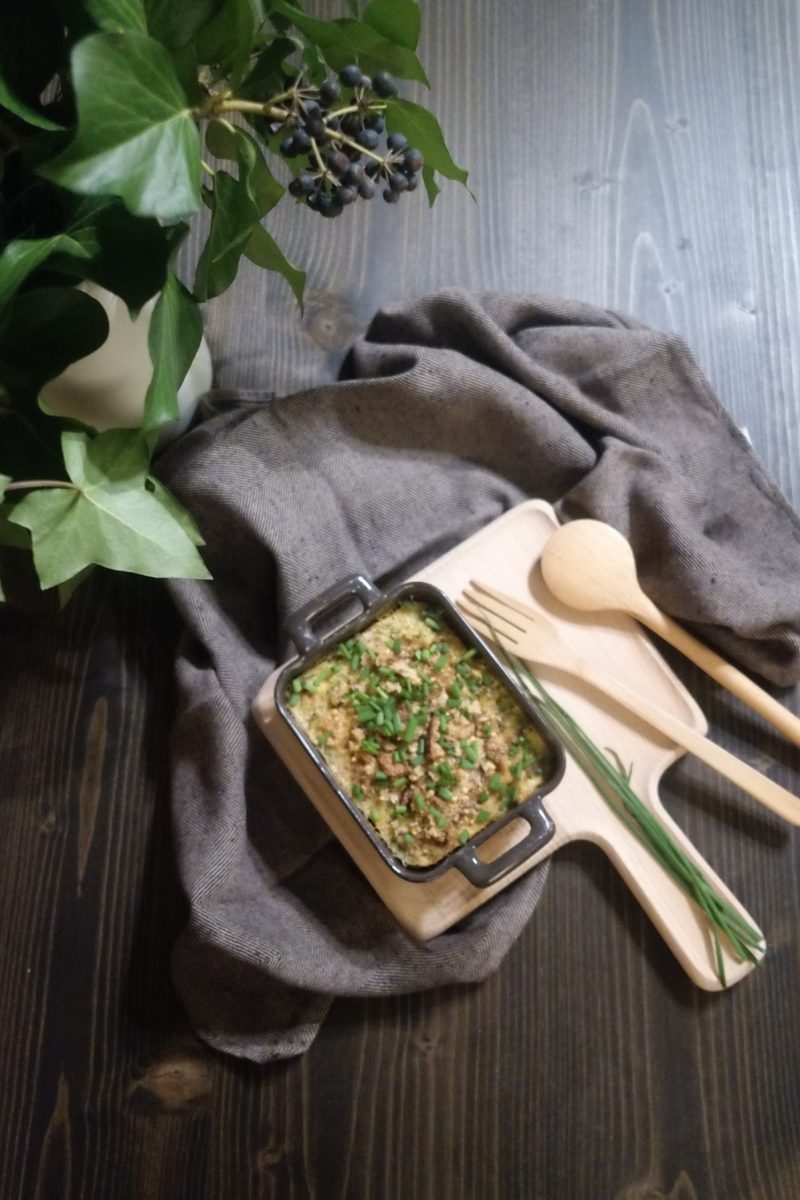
(397, 704)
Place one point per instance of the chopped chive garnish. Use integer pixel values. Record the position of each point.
(400, 782)
(370, 746)
(463, 837)
(419, 800)
(400, 810)
(495, 783)
(444, 793)
(484, 815)
(380, 776)
(374, 816)
(358, 791)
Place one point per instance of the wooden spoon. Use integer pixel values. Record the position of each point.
(589, 565)
(528, 634)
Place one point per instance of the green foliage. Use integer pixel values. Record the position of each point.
(108, 517)
(107, 109)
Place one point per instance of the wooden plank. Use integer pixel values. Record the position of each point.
(643, 156)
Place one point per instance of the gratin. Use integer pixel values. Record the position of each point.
(421, 735)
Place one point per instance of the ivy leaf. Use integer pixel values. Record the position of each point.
(31, 49)
(237, 205)
(136, 135)
(176, 510)
(264, 251)
(431, 186)
(117, 16)
(346, 40)
(234, 215)
(424, 132)
(176, 328)
(20, 109)
(128, 255)
(396, 20)
(176, 22)
(22, 257)
(226, 41)
(269, 73)
(108, 517)
(226, 141)
(65, 321)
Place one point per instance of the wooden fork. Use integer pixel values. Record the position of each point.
(529, 635)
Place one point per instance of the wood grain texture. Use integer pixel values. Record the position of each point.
(640, 156)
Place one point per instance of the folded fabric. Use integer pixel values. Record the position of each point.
(451, 410)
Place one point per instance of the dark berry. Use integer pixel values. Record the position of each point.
(315, 127)
(353, 175)
(396, 141)
(366, 189)
(347, 195)
(288, 149)
(329, 91)
(383, 85)
(302, 141)
(412, 161)
(375, 122)
(351, 75)
(390, 197)
(398, 182)
(372, 167)
(303, 185)
(413, 183)
(368, 138)
(351, 124)
(366, 82)
(338, 162)
(311, 108)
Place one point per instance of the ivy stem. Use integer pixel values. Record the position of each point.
(315, 151)
(334, 135)
(38, 483)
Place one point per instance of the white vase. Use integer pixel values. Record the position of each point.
(107, 388)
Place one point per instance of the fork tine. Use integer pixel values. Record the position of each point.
(484, 607)
(523, 610)
(488, 631)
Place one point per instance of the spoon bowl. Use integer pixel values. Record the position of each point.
(590, 566)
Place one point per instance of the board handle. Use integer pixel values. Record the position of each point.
(677, 917)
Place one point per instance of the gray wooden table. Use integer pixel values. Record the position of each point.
(643, 156)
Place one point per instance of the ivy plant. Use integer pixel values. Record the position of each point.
(111, 114)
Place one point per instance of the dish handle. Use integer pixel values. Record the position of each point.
(300, 624)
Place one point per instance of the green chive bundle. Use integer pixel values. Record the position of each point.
(613, 784)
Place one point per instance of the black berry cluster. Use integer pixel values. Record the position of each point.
(339, 130)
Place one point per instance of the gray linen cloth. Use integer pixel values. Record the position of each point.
(452, 410)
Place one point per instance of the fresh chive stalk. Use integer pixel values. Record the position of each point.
(613, 784)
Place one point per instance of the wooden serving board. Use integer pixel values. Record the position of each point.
(505, 554)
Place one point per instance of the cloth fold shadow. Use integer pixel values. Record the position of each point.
(450, 411)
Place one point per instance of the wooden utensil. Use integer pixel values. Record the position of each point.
(589, 566)
(529, 635)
